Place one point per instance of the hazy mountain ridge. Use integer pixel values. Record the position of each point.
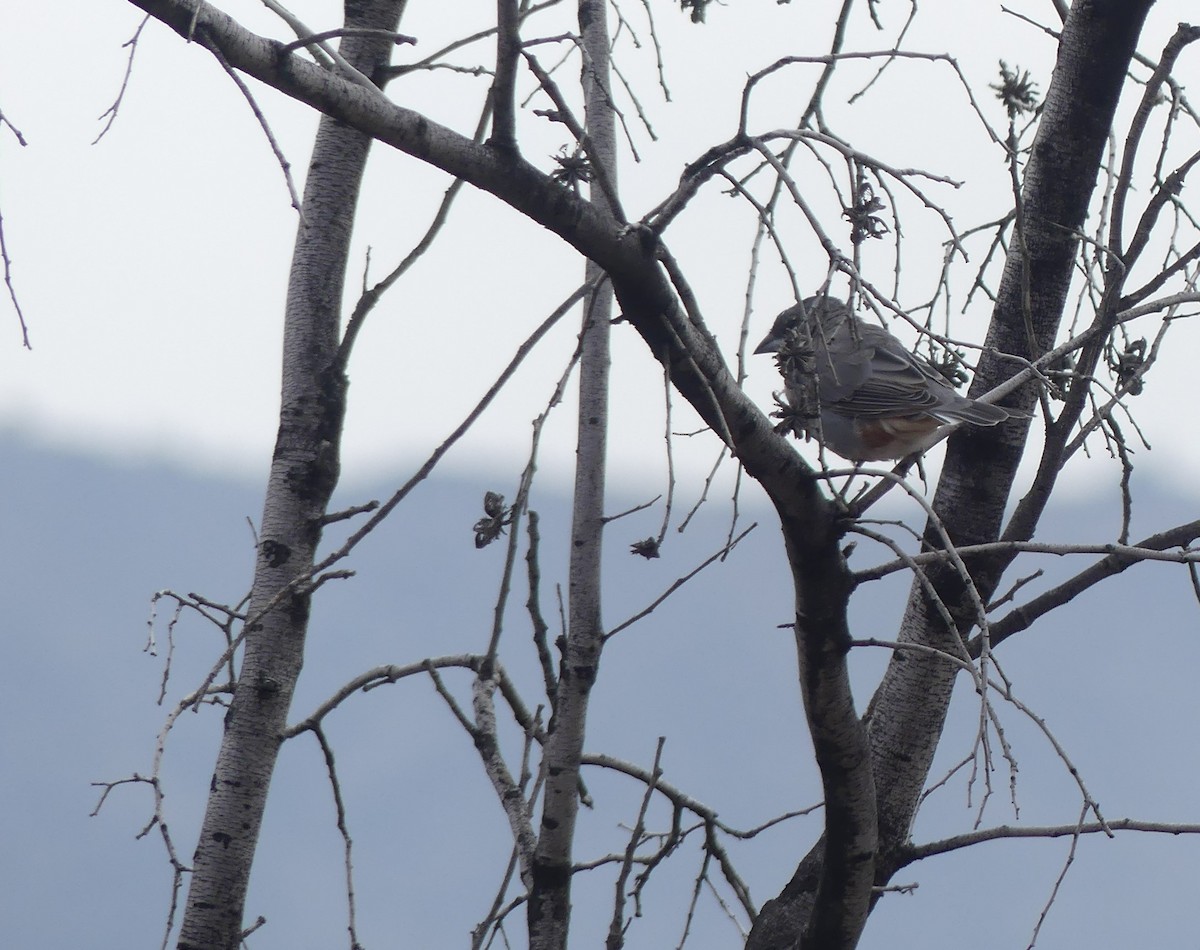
(88, 541)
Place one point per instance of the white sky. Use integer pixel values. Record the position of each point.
(152, 266)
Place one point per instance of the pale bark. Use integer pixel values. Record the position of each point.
(549, 906)
(304, 471)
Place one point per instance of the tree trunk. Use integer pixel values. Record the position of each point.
(304, 471)
(550, 899)
(908, 710)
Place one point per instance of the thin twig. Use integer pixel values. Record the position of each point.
(343, 829)
(12, 290)
(284, 164)
(616, 927)
(316, 39)
(679, 582)
(111, 111)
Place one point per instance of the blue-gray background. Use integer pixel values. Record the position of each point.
(87, 541)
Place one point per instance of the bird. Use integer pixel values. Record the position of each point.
(874, 398)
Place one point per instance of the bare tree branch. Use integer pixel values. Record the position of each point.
(1005, 832)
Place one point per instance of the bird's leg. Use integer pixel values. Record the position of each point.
(862, 489)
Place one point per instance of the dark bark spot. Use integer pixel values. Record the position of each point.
(484, 742)
(223, 839)
(586, 16)
(277, 554)
(298, 610)
(549, 876)
(585, 676)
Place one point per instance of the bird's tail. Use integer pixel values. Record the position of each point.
(978, 413)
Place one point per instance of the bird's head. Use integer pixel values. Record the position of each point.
(828, 310)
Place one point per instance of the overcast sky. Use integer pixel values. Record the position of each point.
(152, 266)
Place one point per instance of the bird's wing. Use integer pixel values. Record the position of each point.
(865, 371)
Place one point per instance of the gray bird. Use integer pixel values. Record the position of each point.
(875, 399)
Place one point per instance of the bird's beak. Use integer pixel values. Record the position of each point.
(770, 344)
